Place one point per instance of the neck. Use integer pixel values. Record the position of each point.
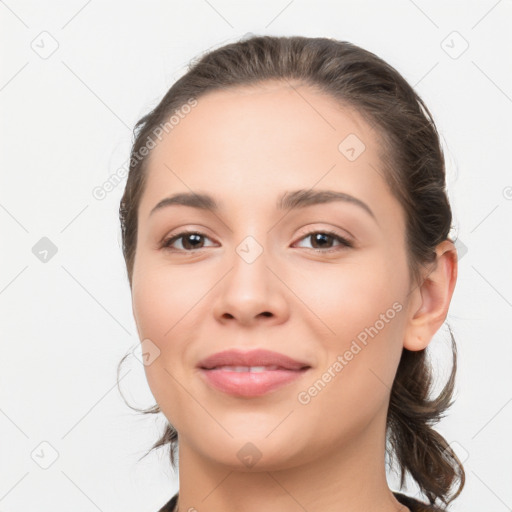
(350, 477)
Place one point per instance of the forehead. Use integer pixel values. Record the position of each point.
(259, 141)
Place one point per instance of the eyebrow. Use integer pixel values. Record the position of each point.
(288, 201)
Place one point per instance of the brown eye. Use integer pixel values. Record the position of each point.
(323, 240)
(190, 240)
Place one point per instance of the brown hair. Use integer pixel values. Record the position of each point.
(413, 166)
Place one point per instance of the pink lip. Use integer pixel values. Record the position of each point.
(250, 383)
(256, 357)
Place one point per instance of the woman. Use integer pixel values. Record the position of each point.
(285, 230)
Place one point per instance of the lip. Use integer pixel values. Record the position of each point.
(256, 357)
(250, 384)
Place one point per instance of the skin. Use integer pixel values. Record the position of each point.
(326, 455)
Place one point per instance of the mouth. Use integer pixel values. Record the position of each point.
(253, 369)
(251, 381)
(257, 358)
(250, 374)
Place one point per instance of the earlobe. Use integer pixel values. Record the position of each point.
(429, 303)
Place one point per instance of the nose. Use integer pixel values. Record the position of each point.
(251, 293)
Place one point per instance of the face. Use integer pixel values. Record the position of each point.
(322, 282)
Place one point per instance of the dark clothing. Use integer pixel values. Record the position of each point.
(413, 504)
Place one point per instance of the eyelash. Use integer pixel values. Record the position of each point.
(345, 244)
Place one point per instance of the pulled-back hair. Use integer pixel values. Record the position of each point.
(413, 167)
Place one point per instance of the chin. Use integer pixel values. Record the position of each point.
(256, 453)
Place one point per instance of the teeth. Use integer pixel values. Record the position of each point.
(247, 368)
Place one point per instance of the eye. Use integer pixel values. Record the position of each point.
(194, 240)
(325, 238)
(190, 240)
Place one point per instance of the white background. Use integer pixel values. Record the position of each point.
(66, 122)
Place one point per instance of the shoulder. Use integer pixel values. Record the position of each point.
(413, 504)
(169, 506)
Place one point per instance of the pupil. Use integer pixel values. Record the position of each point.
(320, 236)
(192, 236)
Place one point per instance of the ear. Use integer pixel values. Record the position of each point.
(429, 302)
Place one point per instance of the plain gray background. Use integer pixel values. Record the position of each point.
(75, 78)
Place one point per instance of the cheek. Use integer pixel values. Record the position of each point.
(363, 313)
(166, 304)
(347, 297)
(164, 299)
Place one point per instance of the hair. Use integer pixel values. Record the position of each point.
(414, 169)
